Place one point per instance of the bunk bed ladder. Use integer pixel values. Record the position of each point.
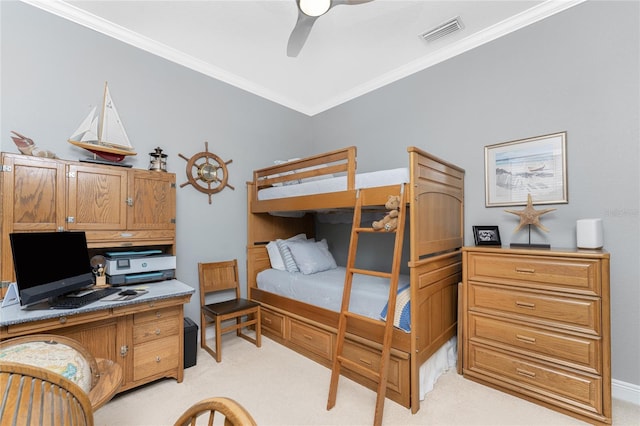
(380, 374)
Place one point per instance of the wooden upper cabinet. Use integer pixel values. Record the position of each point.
(115, 206)
(33, 194)
(152, 202)
(97, 198)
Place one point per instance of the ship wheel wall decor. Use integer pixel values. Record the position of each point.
(206, 172)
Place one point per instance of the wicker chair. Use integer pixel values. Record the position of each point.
(234, 413)
(36, 396)
(100, 383)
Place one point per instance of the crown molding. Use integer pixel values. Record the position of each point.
(81, 17)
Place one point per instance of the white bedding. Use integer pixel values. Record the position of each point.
(368, 296)
(334, 184)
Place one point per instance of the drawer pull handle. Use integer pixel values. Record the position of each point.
(267, 320)
(525, 339)
(527, 305)
(526, 373)
(306, 336)
(366, 362)
(157, 332)
(62, 320)
(526, 270)
(158, 314)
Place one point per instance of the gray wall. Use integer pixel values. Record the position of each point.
(52, 70)
(574, 72)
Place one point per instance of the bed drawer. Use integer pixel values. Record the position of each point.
(538, 380)
(551, 273)
(318, 341)
(272, 321)
(370, 358)
(569, 350)
(579, 314)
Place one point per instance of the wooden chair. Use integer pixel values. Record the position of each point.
(234, 414)
(102, 381)
(222, 278)
(37, 396)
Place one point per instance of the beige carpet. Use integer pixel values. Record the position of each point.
(279, 387)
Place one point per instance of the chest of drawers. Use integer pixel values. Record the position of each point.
(536, 324)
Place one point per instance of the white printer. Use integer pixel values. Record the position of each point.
(136, 267)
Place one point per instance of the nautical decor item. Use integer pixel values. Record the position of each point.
(158, 160)
(103, 134)
(529, 216)
(28, 147)
(206, 172)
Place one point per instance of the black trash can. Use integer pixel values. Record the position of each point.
(190, 342)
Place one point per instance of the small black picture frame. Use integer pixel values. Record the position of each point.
(487, 235)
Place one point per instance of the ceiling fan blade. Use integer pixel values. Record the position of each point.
(300, 34)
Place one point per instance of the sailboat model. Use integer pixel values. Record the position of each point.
(104, 135)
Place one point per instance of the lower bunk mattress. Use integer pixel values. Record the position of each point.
(368, 297)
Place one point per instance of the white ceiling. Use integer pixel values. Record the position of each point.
(351, 50)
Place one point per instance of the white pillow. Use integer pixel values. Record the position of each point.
(312, 257)
(275, 257)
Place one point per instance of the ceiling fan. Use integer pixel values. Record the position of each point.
(308, 12)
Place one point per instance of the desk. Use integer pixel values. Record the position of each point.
(145, 335)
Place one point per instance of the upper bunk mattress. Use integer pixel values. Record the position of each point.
(336, 184)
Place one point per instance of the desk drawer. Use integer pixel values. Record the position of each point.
(570, 350)
(538, 380)
(55, 323)
(157, 314)
(155, 357)
(311, 338)
(152, 330)
(550, 273)
(571, 313)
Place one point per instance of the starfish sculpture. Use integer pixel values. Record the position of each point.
(530, 216)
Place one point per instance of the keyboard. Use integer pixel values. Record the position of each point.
(75, 302)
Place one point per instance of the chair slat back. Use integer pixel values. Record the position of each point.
(33, 395)
(218, 276)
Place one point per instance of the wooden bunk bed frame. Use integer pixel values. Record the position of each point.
(436, 232)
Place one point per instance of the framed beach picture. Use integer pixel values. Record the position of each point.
(536, 166)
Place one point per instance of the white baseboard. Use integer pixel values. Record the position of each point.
(625, 391)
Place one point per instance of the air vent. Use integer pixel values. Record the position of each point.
(442, 30)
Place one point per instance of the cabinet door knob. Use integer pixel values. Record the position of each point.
(157, 359)
(157, 332)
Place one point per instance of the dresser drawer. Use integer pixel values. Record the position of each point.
(574, 351)
(551, 273)
(272, 321)
(311, 338)
(151, 330)
(155, 357)
(578, 314)
(559, 386)
(370, 358)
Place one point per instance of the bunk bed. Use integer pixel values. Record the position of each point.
(329, 182)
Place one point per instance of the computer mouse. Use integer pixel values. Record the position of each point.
(128, 293)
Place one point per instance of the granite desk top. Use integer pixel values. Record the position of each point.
(16, 314)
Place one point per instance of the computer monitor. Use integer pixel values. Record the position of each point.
(50, 264)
